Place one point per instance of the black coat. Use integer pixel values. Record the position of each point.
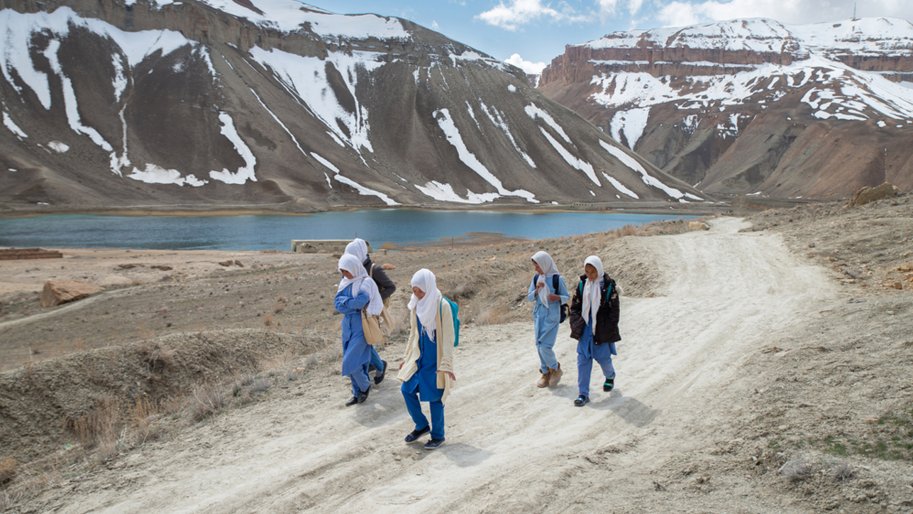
(384, 284)
(606, 317)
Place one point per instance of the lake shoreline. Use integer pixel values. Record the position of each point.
(697, 209)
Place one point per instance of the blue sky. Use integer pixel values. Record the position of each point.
(537, 30)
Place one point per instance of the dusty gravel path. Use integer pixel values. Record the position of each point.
(509, 445)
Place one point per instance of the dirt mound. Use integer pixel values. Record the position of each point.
(53, 403)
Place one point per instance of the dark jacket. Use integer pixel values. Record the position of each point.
(606, 317)
(384, 284)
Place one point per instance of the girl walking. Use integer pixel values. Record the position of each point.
(427, 367)
(548, 291)
(594, 323)
(356, 292)
(359, 248)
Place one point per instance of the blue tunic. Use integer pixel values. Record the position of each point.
(425, 378)
(355, 350)
(547, 317)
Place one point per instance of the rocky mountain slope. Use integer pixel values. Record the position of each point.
(231, 103)
(753, 106)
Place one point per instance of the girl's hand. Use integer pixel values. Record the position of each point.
(400, 365)
(539, 286)
(387, 266)
(553, 298)
(450, 373)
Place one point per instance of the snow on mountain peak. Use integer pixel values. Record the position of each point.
(291, 16)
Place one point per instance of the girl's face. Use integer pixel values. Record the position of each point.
(590, 272)
(538, 268)
(418, 292)
(347, 274)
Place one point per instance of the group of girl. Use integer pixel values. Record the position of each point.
(426, 370)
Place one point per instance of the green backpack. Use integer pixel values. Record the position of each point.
(455, 311)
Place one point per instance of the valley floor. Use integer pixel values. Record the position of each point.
(749, 380)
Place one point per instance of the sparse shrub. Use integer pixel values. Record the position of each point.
(843, 472)
(493, 315)
(268, 320)
(260, 385)
(206, 402)
(796, 470)
(8, 467)
(157, 357)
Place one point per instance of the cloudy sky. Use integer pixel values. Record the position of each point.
(529, 33)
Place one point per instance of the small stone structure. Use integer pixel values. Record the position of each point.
(10, 254)
(334, 246)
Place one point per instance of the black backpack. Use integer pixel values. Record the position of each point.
(555, 283)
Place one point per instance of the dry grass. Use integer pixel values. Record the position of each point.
(205, 402)
(99, 426)
(493, 315)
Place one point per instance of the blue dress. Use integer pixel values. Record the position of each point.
(424, 381)
(355, 349)
(546, 318)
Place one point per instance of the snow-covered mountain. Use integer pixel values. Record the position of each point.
(240, 102)
(753, 106)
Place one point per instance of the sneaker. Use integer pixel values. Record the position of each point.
(555, 376)
(434, 444)
(581, 401)
(415, 434)
(543, 380)
(379, 376)
(609, 384)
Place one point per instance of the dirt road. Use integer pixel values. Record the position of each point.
(510, 446)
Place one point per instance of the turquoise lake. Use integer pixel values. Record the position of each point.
(272, 232)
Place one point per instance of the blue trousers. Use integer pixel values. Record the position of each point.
(414, 406)
(360, 381)
(601, 353)
(376, 360)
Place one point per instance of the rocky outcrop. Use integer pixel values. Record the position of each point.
(873, 194)
(753, 106)
(57, 292)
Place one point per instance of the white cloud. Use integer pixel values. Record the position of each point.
(679, 12)
(517, 13)
(528, 67)
(634, 6)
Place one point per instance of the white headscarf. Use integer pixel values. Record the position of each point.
(592, 291)
(358, 248)
(545, 261)
(426, 308)
(360, 281)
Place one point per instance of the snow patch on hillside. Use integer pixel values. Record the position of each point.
(572, 161)
(497, 119)
(628, 126)
(635, 166)
(12, 127)
(245, 172)
(447, 125)
(59, 147)
(619, 186)
(534, 112)
(306, 78)
(290, 16)
(154, 174)
(362, 190)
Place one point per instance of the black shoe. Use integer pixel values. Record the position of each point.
(362, 396)
(415, 434)
(352, 401)
(434, 444)
(608, 385)
(581, 401)
(379, 376)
